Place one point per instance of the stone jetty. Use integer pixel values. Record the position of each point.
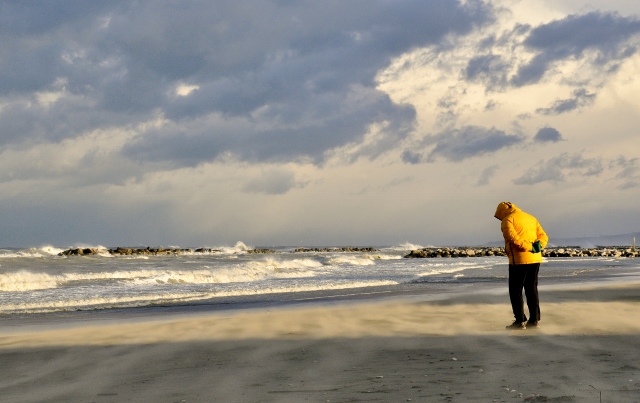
(445, 252)
(610, 251)
(455, 252)
(122, 251)
(345, 249)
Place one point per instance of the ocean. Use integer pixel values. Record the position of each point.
(37, 281)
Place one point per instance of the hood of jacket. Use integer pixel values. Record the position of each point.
(504, 209)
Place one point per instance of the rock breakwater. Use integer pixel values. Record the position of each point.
(455, 252)
(342, 249)
(621, 251)
(345, 249)
(445, 252)
(133, 251)
(122, 251)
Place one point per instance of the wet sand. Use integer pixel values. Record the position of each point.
(453, 350)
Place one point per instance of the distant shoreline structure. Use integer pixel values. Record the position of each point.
(614, 241)
(571, 251)
(179, 251)
(428, 252)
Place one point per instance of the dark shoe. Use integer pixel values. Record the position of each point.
(532, 324)
(517, 326)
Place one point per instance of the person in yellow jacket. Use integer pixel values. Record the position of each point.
(524, 240)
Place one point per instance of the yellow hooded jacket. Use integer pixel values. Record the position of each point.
(520, 230)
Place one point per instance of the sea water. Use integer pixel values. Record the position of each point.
(38, 280)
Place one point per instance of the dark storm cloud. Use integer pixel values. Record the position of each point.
(490, 69)
(35, 35)
(556, 169)
(27, 121)
(547, 134)
(42, 16)
(470, 141)
(191, 142)
(580, 98)
(607, 34)
(411, 157)
(300, 74)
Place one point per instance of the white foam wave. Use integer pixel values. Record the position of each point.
(239, 247)
(350, 260)
(43, 251)
(26, 281)
(7, 254)
(407, 246)
(50, 250)
(435, 271)
(112, 302)
(244, 272)
(288, 264)
(385, 257)
(472, 263)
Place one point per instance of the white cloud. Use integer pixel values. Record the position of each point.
(184, 89)
(273, 181)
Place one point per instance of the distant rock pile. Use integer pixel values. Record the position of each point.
(343, 249)
(120, 251)
(308, 250)
(261, 251)
(613, 251)
(610, 251)
(455, 252)
(132, 251)
(620, 251)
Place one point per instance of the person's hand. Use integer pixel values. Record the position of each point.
(535, 247)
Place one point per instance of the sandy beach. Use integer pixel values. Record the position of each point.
(454, 350)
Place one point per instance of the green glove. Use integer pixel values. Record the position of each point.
(535, 247)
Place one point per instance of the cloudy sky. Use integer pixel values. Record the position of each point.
(278, 122)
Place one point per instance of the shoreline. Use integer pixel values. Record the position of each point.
(566, 311)
(495, 292)
(400, 349)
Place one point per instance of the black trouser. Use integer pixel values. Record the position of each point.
(524, 275)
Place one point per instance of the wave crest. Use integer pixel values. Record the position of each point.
(26, 281)
(351, 260)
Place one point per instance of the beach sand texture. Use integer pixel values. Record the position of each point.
(587, 350)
